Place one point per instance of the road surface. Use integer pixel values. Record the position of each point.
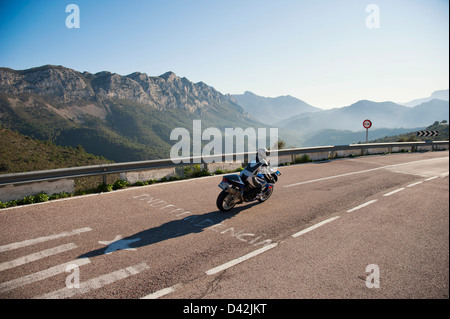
(365, 227)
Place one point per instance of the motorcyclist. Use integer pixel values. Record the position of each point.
(258, 166)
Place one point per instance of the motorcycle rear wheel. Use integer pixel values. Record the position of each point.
(266, 195)
(223, 201)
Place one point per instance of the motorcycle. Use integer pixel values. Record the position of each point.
(237, 189)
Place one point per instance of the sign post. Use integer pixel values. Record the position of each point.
(367, 124)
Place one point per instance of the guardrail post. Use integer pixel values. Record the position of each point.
(104, 176)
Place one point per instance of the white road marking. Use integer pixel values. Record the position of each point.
(95, 283)
(304, 231)
(414, 184)
(162, 292)
(36, 256)
(41, 275)
(30, 242)
(393, 192)
(359, 172)
(362, 205)
(444, 174)
(118, 243)
(429, 179)
(240, 259)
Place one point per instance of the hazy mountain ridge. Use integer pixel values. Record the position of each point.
(439, 94)
(271, 110)
(382, 115)
(344, 125)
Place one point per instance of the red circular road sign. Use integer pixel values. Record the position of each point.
(367, 123)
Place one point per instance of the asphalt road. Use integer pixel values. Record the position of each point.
(366, 227)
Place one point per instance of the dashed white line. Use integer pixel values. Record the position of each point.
(304, 231)
(162, 292)
(414, 184)
(30, 242)
(240, 259)
(393, 192)
(36, 256)
(362, 205)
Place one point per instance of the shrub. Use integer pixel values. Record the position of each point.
(302, 159)
(120, 184)
(187, 171)
(41, 197)
(195, 171)
(65, 195)
(60, 195)
(104, 188)
(12, 203)
(53, 196)
(27, 200)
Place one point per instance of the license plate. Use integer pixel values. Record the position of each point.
(224, 185)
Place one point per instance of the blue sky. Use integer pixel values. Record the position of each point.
(319, 51)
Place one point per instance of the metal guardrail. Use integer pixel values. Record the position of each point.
(103, 169)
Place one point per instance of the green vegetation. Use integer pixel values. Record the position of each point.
(39, 198)
(302, 159)
(130, 131)
(441, 127)
(195, 171)
(119, 184)
(20, 153)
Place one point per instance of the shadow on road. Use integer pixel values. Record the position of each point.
(175, 228)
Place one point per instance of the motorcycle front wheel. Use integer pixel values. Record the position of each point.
(225, 201)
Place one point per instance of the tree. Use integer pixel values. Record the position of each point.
(79, 149)
(281, 144)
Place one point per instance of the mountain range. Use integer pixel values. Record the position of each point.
(123, 118)
(272, 110)
(130, 118)
(381, 114)
(302, 124)
(440, 95)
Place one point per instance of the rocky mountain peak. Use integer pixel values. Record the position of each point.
(169, 76)
(67, 85)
